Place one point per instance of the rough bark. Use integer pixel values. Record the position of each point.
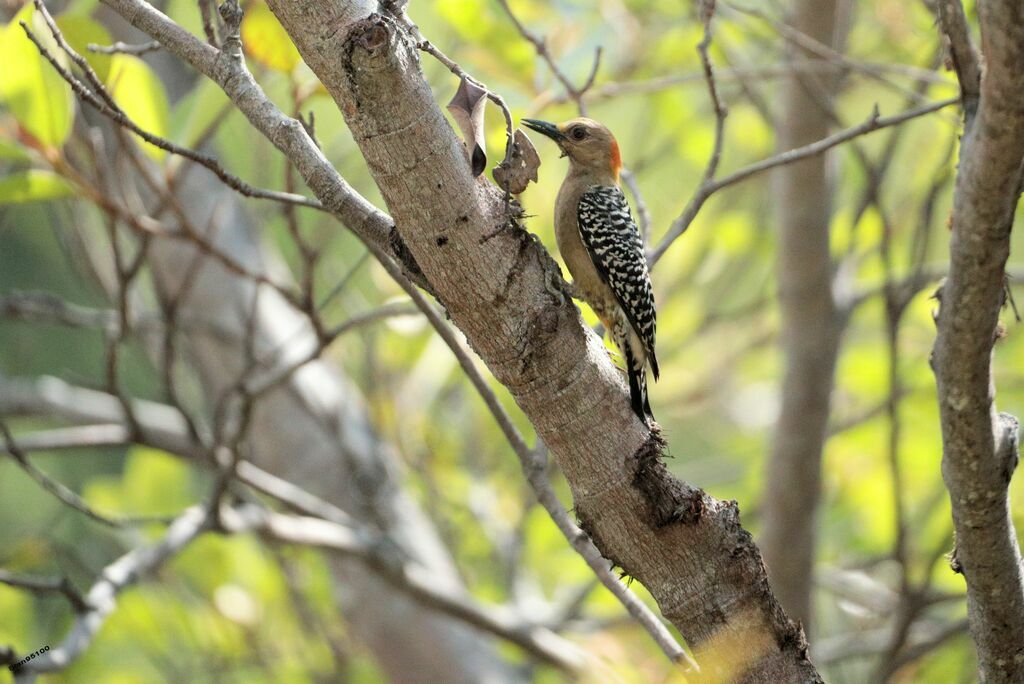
(494, 280)
(811, 326)
(980, 448)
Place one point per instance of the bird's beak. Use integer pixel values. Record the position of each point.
(546, 128)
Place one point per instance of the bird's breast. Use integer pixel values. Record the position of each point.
(587, 280)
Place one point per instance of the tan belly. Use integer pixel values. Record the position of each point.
(587, 282)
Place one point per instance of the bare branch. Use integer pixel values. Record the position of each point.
(643, 212)
(965, 59)
(286, 133)
(541, 47)
(60, 492)
(44, 585)
(980, 445)
(102, 597)
(873, 123)
(333, 529)
(105, 104)
(416, 581)
(617, 89)
(720, 111)
(924, 638)
(124, 48)
(426, 46)
(101, 435)
(813, 46)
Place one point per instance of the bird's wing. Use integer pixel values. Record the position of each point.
(613, 241)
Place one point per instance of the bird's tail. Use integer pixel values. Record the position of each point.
(636, 371)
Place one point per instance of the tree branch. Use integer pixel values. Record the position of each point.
(61, 492)
(953, 24)
(534, 469)
(102, 597)
(321, 525)
(105, 104)
(979, 444)
(873, 123)
(416, 581)
(287, 134)
(43, 585)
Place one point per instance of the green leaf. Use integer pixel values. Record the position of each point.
(79, 31)
(83, 8)
(155, 482)
(34, 185)
(141, 95)
(267, 42)
(12, 151)
(33, 91)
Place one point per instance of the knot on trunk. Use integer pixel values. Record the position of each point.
(669, 500)
(372, 48)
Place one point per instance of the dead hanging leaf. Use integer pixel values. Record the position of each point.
(467, 108)
(521, 167)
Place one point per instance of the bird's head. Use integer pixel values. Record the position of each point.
(586, 142)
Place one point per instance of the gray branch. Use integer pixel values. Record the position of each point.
(102, 597)
(321, 525)
(980, 444)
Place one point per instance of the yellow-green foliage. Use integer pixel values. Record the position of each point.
(223, 611)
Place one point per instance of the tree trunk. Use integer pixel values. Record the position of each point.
(811, 326)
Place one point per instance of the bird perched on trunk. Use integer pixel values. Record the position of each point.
(602, 247)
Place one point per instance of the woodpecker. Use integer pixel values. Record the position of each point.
(602, 247)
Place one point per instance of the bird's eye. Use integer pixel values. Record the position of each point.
(578, 133)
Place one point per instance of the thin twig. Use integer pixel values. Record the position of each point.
(60, 492)
(873, 123)
(207, 8)
(413, 580)
(572, 92)
(426, 46)
(721, 112)
(962, 53)
(124, 48)
(332, 528)
(44, 585)
(102, 597)
(643, 212)
(826, 52)
(103, 102)
(616, 89)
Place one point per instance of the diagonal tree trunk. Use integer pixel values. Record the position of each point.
(687, 548)
(811, 326)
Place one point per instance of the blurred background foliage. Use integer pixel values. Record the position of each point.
(232, 609)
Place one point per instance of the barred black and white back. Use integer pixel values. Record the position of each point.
(611, 237)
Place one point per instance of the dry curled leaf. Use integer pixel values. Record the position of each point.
(467, 108)
(521, 167)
